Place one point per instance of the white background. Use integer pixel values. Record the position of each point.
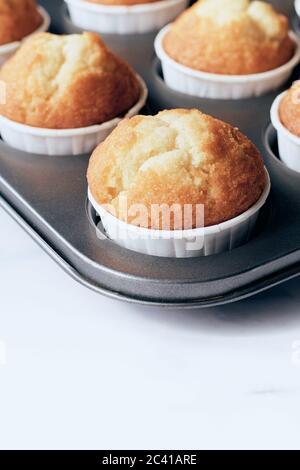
(83, 371)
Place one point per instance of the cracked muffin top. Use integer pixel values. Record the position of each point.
(121, 2)
(176, 157)
(232, 37)
(65, 82)
(18, 18)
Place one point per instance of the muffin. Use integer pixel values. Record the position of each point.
(285, 117)
(18, 18)
(232, 37)
(176, 158)
(67, 82)
(289, 109)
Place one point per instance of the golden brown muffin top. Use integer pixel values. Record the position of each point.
(64, 82)
(121, 2)
(289, 109)
(232, 37)
(18, 18)
(176, 157)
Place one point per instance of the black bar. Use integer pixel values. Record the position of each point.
(139, 459)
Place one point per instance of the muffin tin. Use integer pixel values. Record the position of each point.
(48, 197)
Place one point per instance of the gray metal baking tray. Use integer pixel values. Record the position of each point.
(47, 196)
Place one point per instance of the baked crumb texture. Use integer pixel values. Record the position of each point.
(232, 37)
(177, 157)
(18, 18)
(62, 82)
(121, 2)
(289, 109)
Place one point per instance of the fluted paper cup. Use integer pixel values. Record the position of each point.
(63, 141)
(217, 86)
(7, 50)
(192, 243)
(121, 19)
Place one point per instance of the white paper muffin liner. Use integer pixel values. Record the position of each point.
(121, 19)
(7, 50)
(183, 243)
(63, 141)
(217, 86)
(288, 143)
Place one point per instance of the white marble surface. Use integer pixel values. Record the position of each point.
(78, 370)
